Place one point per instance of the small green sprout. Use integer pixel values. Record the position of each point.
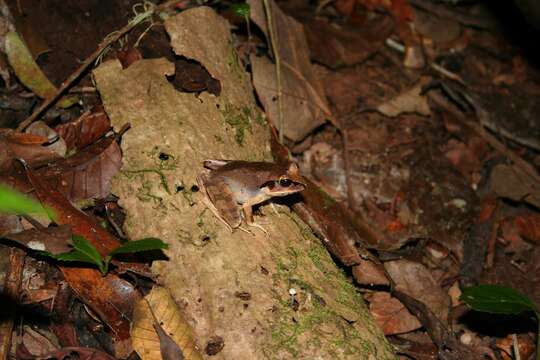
(84, 251)
(501, 300)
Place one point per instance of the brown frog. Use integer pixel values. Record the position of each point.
(233, 187)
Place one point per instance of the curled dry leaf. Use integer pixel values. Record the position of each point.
(88, 173)
(409, 101)
(338, 46)
(159, 308)
(55, 240)
(513, 183)
(529, 226)
(304, 102)
(15, 145)
(36, 343)
(109, 296)
(29, 73)
(391, 315)
(86, 130)
(417, 281)
(58, 145)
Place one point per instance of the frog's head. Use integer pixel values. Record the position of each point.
(287, 181)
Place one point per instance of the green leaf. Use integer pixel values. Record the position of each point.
(241, 10)
(139, 245)
(497, 300)
(14, 202)
(74, 255)
(83, 246)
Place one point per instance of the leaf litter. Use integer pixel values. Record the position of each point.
(408, 172)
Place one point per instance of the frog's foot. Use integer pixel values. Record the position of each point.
(246, 230)
(258, 226)
(248, 215)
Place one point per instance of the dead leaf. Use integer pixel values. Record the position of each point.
(391, 315)
(58, 144)
(168, 348)
(9, 224)
(417, 281)
(400, 9)
(128, 56)
(15, 145)
(409, 101)
(68, 214)
(438, 29)
(529, 226)
(304, 102)
(159, 305)
(32, 38)
(36, 343)
(86, 130)
(55, 240)
(511, 182)
(80, 353)
(29, 73)
(369, 273)
(335, 46)
(111, 297)
(88, 173)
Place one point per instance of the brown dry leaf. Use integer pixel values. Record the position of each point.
(88, 173)
(77, 352)
(398, 8)
(409, 101)
(440, 30)
(15, 145)
(336, 46)
(159, 308)
(511, 182)
(369, 273)
(10, 224)
(86, 130)
(29, 73)
(529, 226)
(466, 157)
(524, 344)
(391, 315)
(417, 281)
(109, 296)
(32, 38)
(36, 343)
(55, 240)
(58, 144)
(304, 102)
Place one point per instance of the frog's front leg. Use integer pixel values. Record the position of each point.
(247, 209)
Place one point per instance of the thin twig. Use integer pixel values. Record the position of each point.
(273, 42)
(111, 38)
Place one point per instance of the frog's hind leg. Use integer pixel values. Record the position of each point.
(222, 198)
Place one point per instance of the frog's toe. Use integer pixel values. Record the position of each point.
(258, 226)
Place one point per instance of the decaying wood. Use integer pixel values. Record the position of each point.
(233, 286)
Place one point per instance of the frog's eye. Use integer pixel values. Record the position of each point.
(285, 182)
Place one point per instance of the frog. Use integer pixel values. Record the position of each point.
(233, 187)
